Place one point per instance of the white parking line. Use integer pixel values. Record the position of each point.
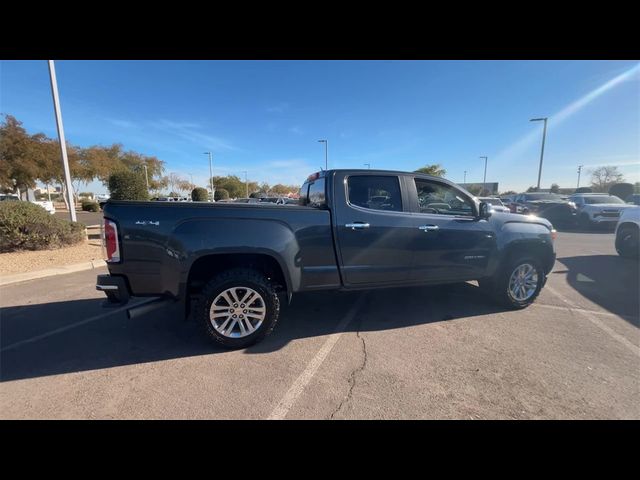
(69, 327)
(305, 377)
(583, 310)
(592, 318)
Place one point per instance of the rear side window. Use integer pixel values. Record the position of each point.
(375, 192)
(316, 194)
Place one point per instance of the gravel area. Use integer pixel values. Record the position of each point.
(31, 261)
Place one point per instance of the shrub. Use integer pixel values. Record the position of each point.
(89, 206)
(199, 194)
(26, 226)
(221, 194)
(126, 185)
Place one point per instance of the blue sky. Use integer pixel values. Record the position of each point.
(265, 117)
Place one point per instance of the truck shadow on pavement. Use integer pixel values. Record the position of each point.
(110, 341)
(610, 281)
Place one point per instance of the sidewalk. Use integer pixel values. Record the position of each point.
(27, 265)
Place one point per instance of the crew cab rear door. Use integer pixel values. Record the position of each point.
(373, 228)
(451, 242)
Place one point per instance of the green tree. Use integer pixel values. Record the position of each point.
(199, 194)
(221, 194)
(532, 189)
(18, 167)
(434, 170)
(555, 188)
(232, 184)
(127, 185)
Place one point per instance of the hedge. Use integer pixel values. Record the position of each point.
(89, 206)
(221, 194)
(199, 194)
(27, 226)
(127, 185)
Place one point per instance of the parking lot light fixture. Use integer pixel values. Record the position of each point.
(210, 174)
(61, 139)
(544, 134)
(326, 153)
(484, 181)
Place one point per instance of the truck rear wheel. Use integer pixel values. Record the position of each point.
(517, 284)
(239, 308)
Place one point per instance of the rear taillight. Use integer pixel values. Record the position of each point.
(111, 241)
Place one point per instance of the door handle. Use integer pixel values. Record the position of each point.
(428, 228)
(359, 226)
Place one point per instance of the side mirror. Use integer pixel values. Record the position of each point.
(484, 210)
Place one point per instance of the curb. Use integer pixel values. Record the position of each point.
(50, 272)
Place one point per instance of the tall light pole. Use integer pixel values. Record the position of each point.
(484, 181)
(465, 177)
(146, 176)
(326, 153)
(210, 175)
(246, 182)
(61, 139)
(544, 134)
(368, 166)
(579, 170)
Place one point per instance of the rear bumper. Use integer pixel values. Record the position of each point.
(114, 287)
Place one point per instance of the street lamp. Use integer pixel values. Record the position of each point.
(579, 170)
(465, 177)
(63, 144)
(368, 166)
(326, 153)
(146, 176)
(246, 182)
(210, 175)
(544, 134)
(484, 181)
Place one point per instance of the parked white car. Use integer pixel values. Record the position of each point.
(628, 233)
(598, 208)
(48, 206)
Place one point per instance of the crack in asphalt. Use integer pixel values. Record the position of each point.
(352, 376)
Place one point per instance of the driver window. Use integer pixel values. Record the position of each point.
(442, 199)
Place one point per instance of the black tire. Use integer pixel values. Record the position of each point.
(627, 241)
(241, 278)
(584, 222)
(498, 286)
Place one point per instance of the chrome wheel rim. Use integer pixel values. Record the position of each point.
(237, 312)
(523, 282)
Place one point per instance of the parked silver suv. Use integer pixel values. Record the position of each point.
(598, 208)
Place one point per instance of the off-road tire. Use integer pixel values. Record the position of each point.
(240, 277)
(497, 287)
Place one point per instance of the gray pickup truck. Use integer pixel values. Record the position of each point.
(232, 263)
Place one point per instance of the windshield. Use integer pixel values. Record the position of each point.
(602, 199)
(543, 196)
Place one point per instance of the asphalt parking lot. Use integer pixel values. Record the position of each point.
(418, 353)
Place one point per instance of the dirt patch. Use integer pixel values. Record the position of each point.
(31, 261)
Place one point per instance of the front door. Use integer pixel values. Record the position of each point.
(451, 243)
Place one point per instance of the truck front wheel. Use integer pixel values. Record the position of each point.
(239, 308)
(517, 284)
